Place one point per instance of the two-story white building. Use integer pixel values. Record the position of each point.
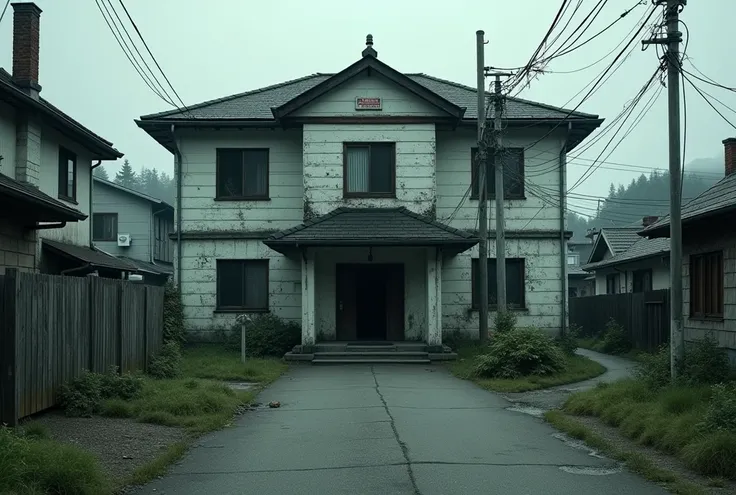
(345, 202)
(46, 162)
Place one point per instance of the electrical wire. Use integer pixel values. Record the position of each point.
(702, 95)
(4, 9)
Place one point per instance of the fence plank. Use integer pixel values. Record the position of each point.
(644, 316)
(53, 327)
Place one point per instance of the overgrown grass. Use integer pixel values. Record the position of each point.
(219, 363)
(596, 345)
(32, 465)
(158, 466)
(669, 419)
(634, 461)
(578, 368)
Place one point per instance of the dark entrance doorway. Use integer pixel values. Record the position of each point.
(370, 301)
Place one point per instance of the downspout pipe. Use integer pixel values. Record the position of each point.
(563, 242)
(177, 171)
(91, 200)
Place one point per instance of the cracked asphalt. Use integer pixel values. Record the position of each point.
(383, 429)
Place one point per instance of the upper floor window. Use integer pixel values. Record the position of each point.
(242, 174)
(515, 285)
(513, 174)
(67, 175)
(369, 170)
(104, 226)
(573, 259)
(706, 285)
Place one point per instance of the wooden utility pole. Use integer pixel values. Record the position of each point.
(498, 162)
(481, 159)
(672, 57)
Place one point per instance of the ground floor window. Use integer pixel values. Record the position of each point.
(242, 285)
(612, 283)
(706, 285)
(642, 280)
(515, 293)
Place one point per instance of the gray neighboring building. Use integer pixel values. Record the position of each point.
(579, 282)
(135, 227)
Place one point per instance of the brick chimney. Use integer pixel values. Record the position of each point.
(729, 146)
(26, 28)
(647, 221)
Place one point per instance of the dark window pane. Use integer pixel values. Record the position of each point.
(104, 226)
(515, 283)
(230, 290)
(513, 160)
(230, 173)
(256, 285)
(255, 164)
(381, 169)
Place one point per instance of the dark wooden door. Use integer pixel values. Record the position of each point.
(395, 302)
(345, 303)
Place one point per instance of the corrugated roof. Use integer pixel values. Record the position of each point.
(257, 104)
(641, 249)
(372, 226)
(720, 197)
(52, 209)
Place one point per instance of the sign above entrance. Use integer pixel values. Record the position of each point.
(362, 103)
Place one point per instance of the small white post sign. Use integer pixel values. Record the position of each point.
(366, 103)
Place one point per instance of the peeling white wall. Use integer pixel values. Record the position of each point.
(660, 275)
(543, 287)
(395, 100)
(323, 165)
(7, 140)
(541, 169)
(199, 283)
(415, 285)
(200, 212)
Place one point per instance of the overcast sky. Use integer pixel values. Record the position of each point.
(210, 50)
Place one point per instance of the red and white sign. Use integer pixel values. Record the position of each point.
(362, 103)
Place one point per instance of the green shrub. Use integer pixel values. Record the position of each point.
(29, 465)
(265, 335)
(721, 414)
(457, 339)
(615, 339)
(713, 454)
(654, 369)
(33, 429)
(173, 314)
(83, 396)
(504, 321)
(167, 364)
(568, 341)
(521, 352)
(705, 363)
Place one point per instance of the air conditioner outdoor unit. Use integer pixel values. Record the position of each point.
(124, 240)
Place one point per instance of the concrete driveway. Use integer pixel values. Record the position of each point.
(361, 429)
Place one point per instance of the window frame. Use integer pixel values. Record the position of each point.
(615, 277)
(640, 273)
(475, 297)
(698, 288)
(475, 193)
(266, 196)
(244, 309)
(65, 156)
(115, 229)
(369, 144)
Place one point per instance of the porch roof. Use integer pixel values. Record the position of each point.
(371, 227)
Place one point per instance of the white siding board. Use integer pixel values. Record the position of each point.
(340, 102)
(7, 140)
(134, 218)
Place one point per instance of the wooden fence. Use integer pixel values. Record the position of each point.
(644, 315)
(54, 327)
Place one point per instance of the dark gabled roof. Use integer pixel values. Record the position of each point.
(576, 271)
(372, 227)
(34, 203)
(616, 239)
(91, 257)
(257, 104)
(641, 249)
(100, 148)
(720, 198)
(133, 192)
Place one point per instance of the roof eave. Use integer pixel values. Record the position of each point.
(57, 213)
(607, 264)
(663, 230)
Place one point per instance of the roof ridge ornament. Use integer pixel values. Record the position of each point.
(369, 51)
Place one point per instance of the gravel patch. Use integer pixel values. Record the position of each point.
(121, 445)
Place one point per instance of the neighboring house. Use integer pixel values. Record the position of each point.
(344, 202)
(45, 169)
(135, 227)
(709, 258)
(579, 282)
(624, 262)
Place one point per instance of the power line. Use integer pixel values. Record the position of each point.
(702, 95)
(4, 9)
(130, 18)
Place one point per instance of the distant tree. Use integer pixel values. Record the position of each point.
(127, 176)
(101, 173)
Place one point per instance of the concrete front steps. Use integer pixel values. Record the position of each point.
(370, 353)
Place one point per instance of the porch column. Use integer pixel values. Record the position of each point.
(308, 308)
(434, 297)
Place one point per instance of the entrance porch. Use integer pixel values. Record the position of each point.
(371, 275)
